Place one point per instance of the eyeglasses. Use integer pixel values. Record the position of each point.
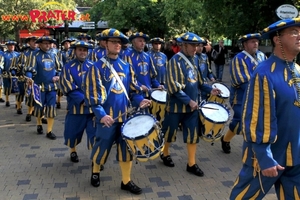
(293, 33)
(115, 42)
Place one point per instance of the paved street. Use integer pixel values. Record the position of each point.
(34, 167)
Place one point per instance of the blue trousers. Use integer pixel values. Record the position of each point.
(48, 100)
(75, 126)
(287, 184)
(235, 124)
(105, 137)
(219, 72)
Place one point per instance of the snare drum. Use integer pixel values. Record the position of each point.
(213, 117)
(143, 136)
(221, 98)
(158, 105)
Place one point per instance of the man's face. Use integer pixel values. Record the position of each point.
(290, 40)
(139, 43)
(32, 44)
(200, 48)
(190, 48)
(67, 45)
(221, 43)
(81, 53)
(113, 45)
(156, 46)
(45, 45)
(84, 39)
(251, 45)
(11, 47)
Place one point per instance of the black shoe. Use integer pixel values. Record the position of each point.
(2, 100)
(167, 160)
(51, 135)
(74, 157)
(40, 129)
(195, 170)
(95, 179)
(44, 121)
(131, 187)
(28, 118)
(58, 106)
(225, 145)
(7, 104)
(19, 111)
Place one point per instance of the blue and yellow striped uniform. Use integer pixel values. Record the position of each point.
(106, 97)
(183, 85)
(42, 67)
(144, 69)
(79, 117)
(160, 62)
(271, 132)
(97, 53)
(9, 60)
(241, 69)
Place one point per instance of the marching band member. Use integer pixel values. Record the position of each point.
(159, 59)
(9, 55)
(43, 67)
(183, 83)
(1, 79)
(109, 82)
(79, 117)
(142, 64)
(270, 113)
(19, 67)
(241, 70)
(204, 68)
(99, 51)
(85, 37)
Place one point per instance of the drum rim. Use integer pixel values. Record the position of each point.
(158, 101)
(222, 122)
(220, 95)
(141, 136)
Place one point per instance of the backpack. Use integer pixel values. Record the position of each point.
(214, 54)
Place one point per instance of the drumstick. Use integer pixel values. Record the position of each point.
(210, 108)
(124, 113)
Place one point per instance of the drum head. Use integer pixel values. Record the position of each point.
(138, 125)
(217, 114)
(159, 95)
(223, 88)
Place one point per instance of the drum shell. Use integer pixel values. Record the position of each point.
(220, 98)
(158, 106)
(146, 146)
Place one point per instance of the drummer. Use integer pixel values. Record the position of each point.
(142, 64)
(108, 86)
(183, 84)
(159, 59)
(241, 69)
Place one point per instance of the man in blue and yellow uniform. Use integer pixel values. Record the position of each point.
(142, 64)
(241, 70)
(270, 113)
(183, 84)
(204, 68)
(159, 59)
(43, 68)
(110, 84)
(66, 51)
(9, 56)
(1, 79)
(79, 116)
(18, 66)
(99, 51)
(85, 38)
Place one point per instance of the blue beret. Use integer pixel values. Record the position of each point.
(114, 33)
(82, 44)
(157, 39)
(45, 38)
(66, 40)
(190, 37)
(279, 25)
(139, 34)
(250, 36)
(83, 35)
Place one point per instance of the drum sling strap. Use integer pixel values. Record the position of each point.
(117, 77)
(252, 59)
(186, 60)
